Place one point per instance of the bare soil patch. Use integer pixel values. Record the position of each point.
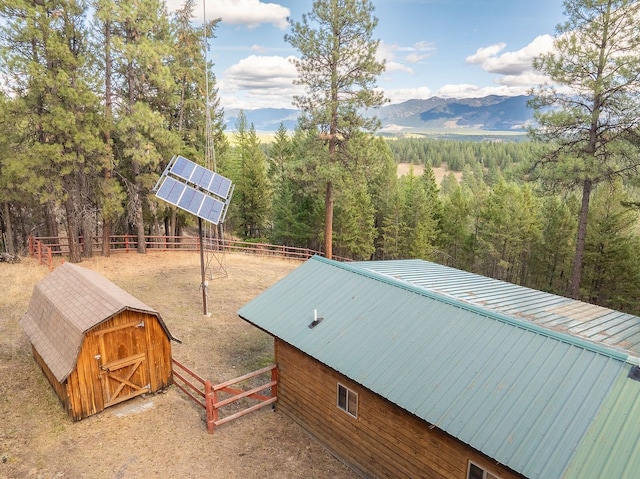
(160, 435)
(439, 172)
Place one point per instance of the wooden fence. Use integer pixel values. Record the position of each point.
(59, 245)
(213, 397)
(42, 251)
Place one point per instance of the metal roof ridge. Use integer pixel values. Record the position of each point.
(491, 313)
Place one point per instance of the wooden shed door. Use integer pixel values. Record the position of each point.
(124, 369)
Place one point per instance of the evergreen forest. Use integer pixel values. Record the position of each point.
(99, 96)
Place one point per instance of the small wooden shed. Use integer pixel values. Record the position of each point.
(96, 344)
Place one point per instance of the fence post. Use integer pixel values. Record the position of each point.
(50, 259)
(210, 399)
(274, 388)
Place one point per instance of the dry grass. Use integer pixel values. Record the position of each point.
(439, 172)
(161, 435)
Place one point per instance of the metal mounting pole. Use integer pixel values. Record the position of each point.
(203, 284)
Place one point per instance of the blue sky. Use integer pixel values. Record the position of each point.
(447, 48)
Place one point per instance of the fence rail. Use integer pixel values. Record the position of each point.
(46, 247)
(129, 243)
(213, 397)
(42, 251)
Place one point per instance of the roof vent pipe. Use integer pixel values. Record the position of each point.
(316, 319)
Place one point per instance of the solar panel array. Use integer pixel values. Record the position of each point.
(195, 189)
(200, 176)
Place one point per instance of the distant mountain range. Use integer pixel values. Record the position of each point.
(487, 114)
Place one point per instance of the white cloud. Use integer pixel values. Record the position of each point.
(416, 57)
(404, 94)
(397, 57)
(249, 13)
(474, 91)
(418, 52)
(516, 75)
(510, 63)
(527, 79)
(391, 66)
(386, 52)
(259, 81)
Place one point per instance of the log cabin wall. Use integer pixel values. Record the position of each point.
(383, 440)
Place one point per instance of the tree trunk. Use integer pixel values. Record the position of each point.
(72, 232)
(328, 221)
(87, 235)
(142, 247)
(173, 225)
(51, 224)
(576, 276)
(106, 236)
(106, 220)
(6, 214)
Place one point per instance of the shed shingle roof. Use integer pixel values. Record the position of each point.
(522, 394)
(65, 305)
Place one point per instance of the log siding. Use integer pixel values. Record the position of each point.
(383, 440)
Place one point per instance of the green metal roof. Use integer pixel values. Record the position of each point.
(521, 394)
(588, 321)
(611, 446)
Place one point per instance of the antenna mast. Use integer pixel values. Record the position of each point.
(209, 151)
(213, 240)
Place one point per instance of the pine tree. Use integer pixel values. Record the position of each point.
(596, 56)
(611, 276)
(410, 228)
(509, 227)
(145, 91)
(51, 83)
(111, 196)
(456, 224)
(339, 70)
(280, 157)
(551, 259)
(252, 187)
(354, 228)
(384, 191)
(7, 193)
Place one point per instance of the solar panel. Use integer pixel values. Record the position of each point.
(220, 186)
(211, 210)
(195, 189)
(183, 167)
(171, 190)
(201, 177)
(189, 199)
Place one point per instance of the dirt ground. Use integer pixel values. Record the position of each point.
(164, 434)
(439, 172)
